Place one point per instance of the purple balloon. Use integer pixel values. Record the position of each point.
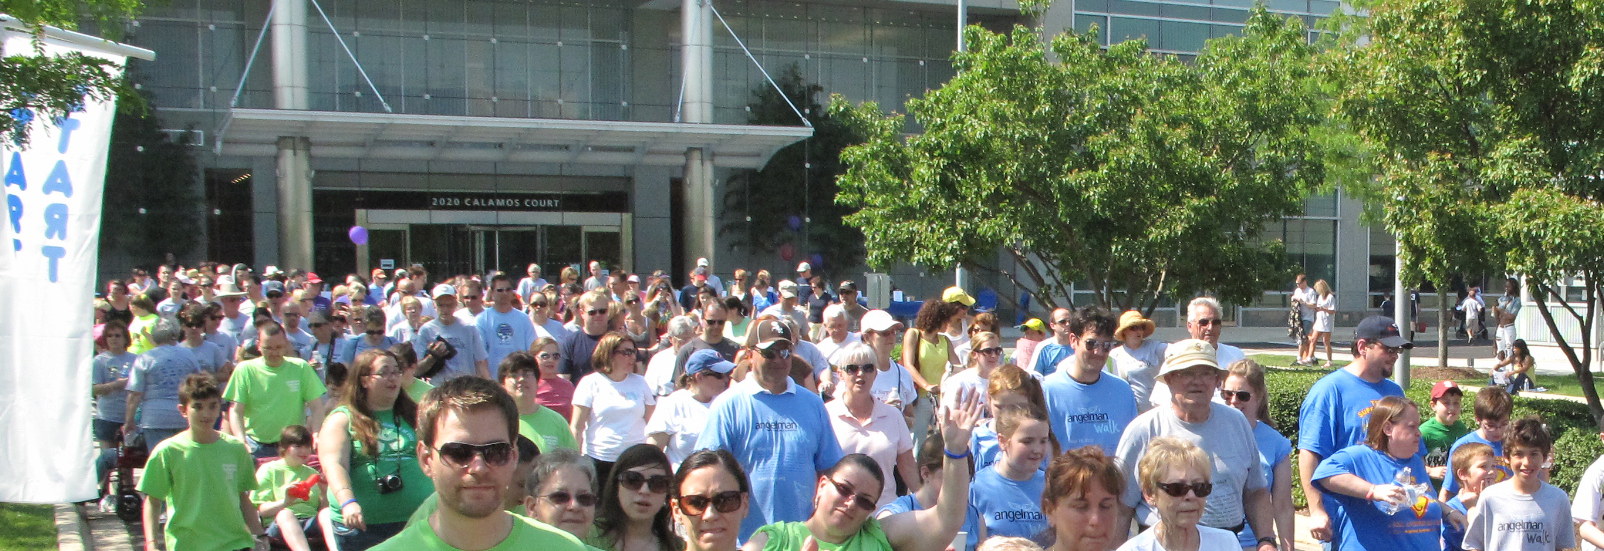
(794, 222)
(358, 234)
(816, 260)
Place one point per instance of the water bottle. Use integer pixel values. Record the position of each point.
(1402, 479)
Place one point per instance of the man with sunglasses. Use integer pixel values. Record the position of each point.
(1336, 410)
(579, 345)
(1086, 406)
(471, 297)
(504, 329)
(1203, 322)
(467, 430)
(1048, 354)
(1240, 496)
(779, 433)
(714, 317)
(464, 338)
(230, 296)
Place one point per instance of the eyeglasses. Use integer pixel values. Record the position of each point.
(624, 352)
(1209, 321)
(854, 369)
(1060, 322)
(782, 354)
(461, 455)
(1238, 395)
(993, 351)
(1394, 350)
(387, 373)
(713, 321)
(561, 499)
(862, 501)
(549, 356)
(375, 332)
(724, 502)
(1179, 489)
(1105, 346)
(657, 483)
(317, 325)
(594, 312)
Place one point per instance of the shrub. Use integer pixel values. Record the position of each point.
(1573, 452)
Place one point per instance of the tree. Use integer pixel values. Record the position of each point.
(35, 86)
(1132, 173)
(792, 199)
(1487, 112)
(151, 207)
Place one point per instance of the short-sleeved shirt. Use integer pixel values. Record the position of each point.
(895, 382)
(576, 350)
(157, 374)
(1233, 452)
(725, 348)
(790, 536)
(1088, 414)
(208, 355)
(903, 504)
(139, 333)
(1453, 539)
(1307, 296)
(558, 394)
(1007, 507)
(1274, 450)
(782, 440)
(225, 341)
(883, 437)
(525, 534)
(1439, 440)
(417, 389)
(272, 398)
(463, 337)
(235, 326)
(1336, 409)
(660, 372)
(504, 334)
(271, 479)
(617, 413)
(962, 385)
(832, 350)
(682, 418)
(1048, 355)
(1589, 501)
(356, 344)
(1360, 523)
(1138, 367)
(201, 484)
(1210, 539)
(397, 454)
(112, 406)
(1500, 474)
(547, 429)
(1504, 518)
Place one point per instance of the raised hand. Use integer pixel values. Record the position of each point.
(959, 419)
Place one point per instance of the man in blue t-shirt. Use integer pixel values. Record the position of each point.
(503, 328)
(1049, 353)
(1335, 411)
(778, 432)
(464, 338)
(1086, 406)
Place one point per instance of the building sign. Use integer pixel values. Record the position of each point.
(604, 201)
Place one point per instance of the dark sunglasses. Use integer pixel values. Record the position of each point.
(854, 369)
(714, 322)
(1101, 345)
(561, 499)
(317, 325)
(995, 350)
(781, 354)
(862, 501)
(594, 312)
(375, 332)
(1238, 395)
(461, 455)
(1179, 489)
(657, 483)
(724, 502)
(501, 289)
(1210, 321)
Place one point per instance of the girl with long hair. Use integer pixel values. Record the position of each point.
(633, 514)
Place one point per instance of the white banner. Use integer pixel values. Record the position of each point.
(53, 189)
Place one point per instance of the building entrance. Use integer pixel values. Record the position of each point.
(477, 249)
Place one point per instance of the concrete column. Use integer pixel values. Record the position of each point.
(294, 166)
(696, 24)
(289, 54)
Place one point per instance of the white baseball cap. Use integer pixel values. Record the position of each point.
(804, 267)
(701, 262)
(442, 290)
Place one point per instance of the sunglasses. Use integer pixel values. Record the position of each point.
(854, 369)
(1238, 395)
(1210, 321)
(862, 501)
(724, 502)
(993, 351)
(1179, 489)
(317, 325)
(561, 499)
(782, 354)
(461, 455)
(375, 332)
(600, 312)
(657, 483)
(1097, 344)
(714, 322)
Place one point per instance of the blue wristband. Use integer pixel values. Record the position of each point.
(950, 455)
(346, 502)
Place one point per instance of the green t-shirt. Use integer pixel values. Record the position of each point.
(526, 534)
(547, 429)
(417, 389)
(272, 397)
(398, 454)
(139, 334)
(788, 536)
(1439, 439)
(271, 480)
(202, 485)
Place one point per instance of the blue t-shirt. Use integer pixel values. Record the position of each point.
(1360, 524)
(1007, 507)
(157, 374)
(1048, 354)
(504, 334)
(782, 440)
(463, 337)
(1453, 539)
(112, 406)
(1501, 474)
(1335, 411)
(1084, 415)
(983, 445)
(356, 344)
(903, 504)
(1274, 449)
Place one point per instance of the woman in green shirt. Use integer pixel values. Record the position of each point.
(633, 513)
(844, 502)
(368, 448)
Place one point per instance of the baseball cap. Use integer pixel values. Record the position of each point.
(443, 290)
(633, 278)
(707, 359)
(379, 273)
(1187, 353)
(242, 267)
(1442, 387)
(1381, 329)
(878, 320)
(957, 294)
(701, 262)
(848, 285)
(700, 274)
(184, 279)
(311, 277)
(272, 286)
(766, 333)
(804, 267)
(1032, 324)
(788, 289)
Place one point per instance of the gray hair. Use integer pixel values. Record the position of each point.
(682, 327)
(834, 311)
(165, 331)
(556, 460)
(857, 353)
(1192, 307)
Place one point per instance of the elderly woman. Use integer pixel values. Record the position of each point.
(412, 312)
(633, 515)
(153, 385)
(1244, 390)
(677, 421)
(1082, 499)
(1362, 479)
(612, 404)
(660, 369)
(868, 426)
(562, 492)
(1193, 375)
(1174, 477)
(845, 496)
(1138, 357)
(709, 500)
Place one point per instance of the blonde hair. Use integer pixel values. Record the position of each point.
(1008, 544)
(1165, 452)
(1323, 288)
(974, 350)
(1253, 373)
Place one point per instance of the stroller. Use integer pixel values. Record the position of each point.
(131, 455)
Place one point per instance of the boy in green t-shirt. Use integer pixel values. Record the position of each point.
(203, 477)
(1440, 432)
(519, 374)
(292, 518)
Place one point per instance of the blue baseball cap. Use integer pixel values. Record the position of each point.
(271, 286)
(707, 359)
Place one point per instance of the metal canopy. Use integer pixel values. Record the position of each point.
(255, 132)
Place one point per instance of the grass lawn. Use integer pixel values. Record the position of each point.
(27, 527)
(1565, 385)
(1285, 360)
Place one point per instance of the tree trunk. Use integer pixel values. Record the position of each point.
(1579, 364)
(1442, 327)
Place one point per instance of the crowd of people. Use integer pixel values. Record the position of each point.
(618, 413)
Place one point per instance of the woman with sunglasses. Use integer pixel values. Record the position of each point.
(633, 515)
(677, 421)
(372, 336)
(843, 502)
(984, 354)
(368, 449)
(640, 329)
(1174, 477)
(1244, 389)
(709, 500)
(554, 390)
(894, 384)
(612, 404)
(211, 357)
(1363, 480)
(865, 425)
(562, 492)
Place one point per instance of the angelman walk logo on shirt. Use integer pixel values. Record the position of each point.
(1096, 417)
(1016, 516)
(777, 426)
(1535, 530)
(504, 332)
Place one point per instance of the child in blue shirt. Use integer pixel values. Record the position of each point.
(1475, 465)
(1005, 500)
(1493, 408)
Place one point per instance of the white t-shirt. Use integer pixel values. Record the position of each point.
(552, 328)
(1213, 539)
(810, 353)
(1505, 519)
(1307, 296)
(1324, 321)
(1139, 368)
(660, 374)
(956, 384)
(832, 350)
(1588, 504)
(617, 413)
(681, 417)
(896, 382)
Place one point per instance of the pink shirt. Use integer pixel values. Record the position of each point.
(556, 393)
(883, 438)
(1023, 349)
